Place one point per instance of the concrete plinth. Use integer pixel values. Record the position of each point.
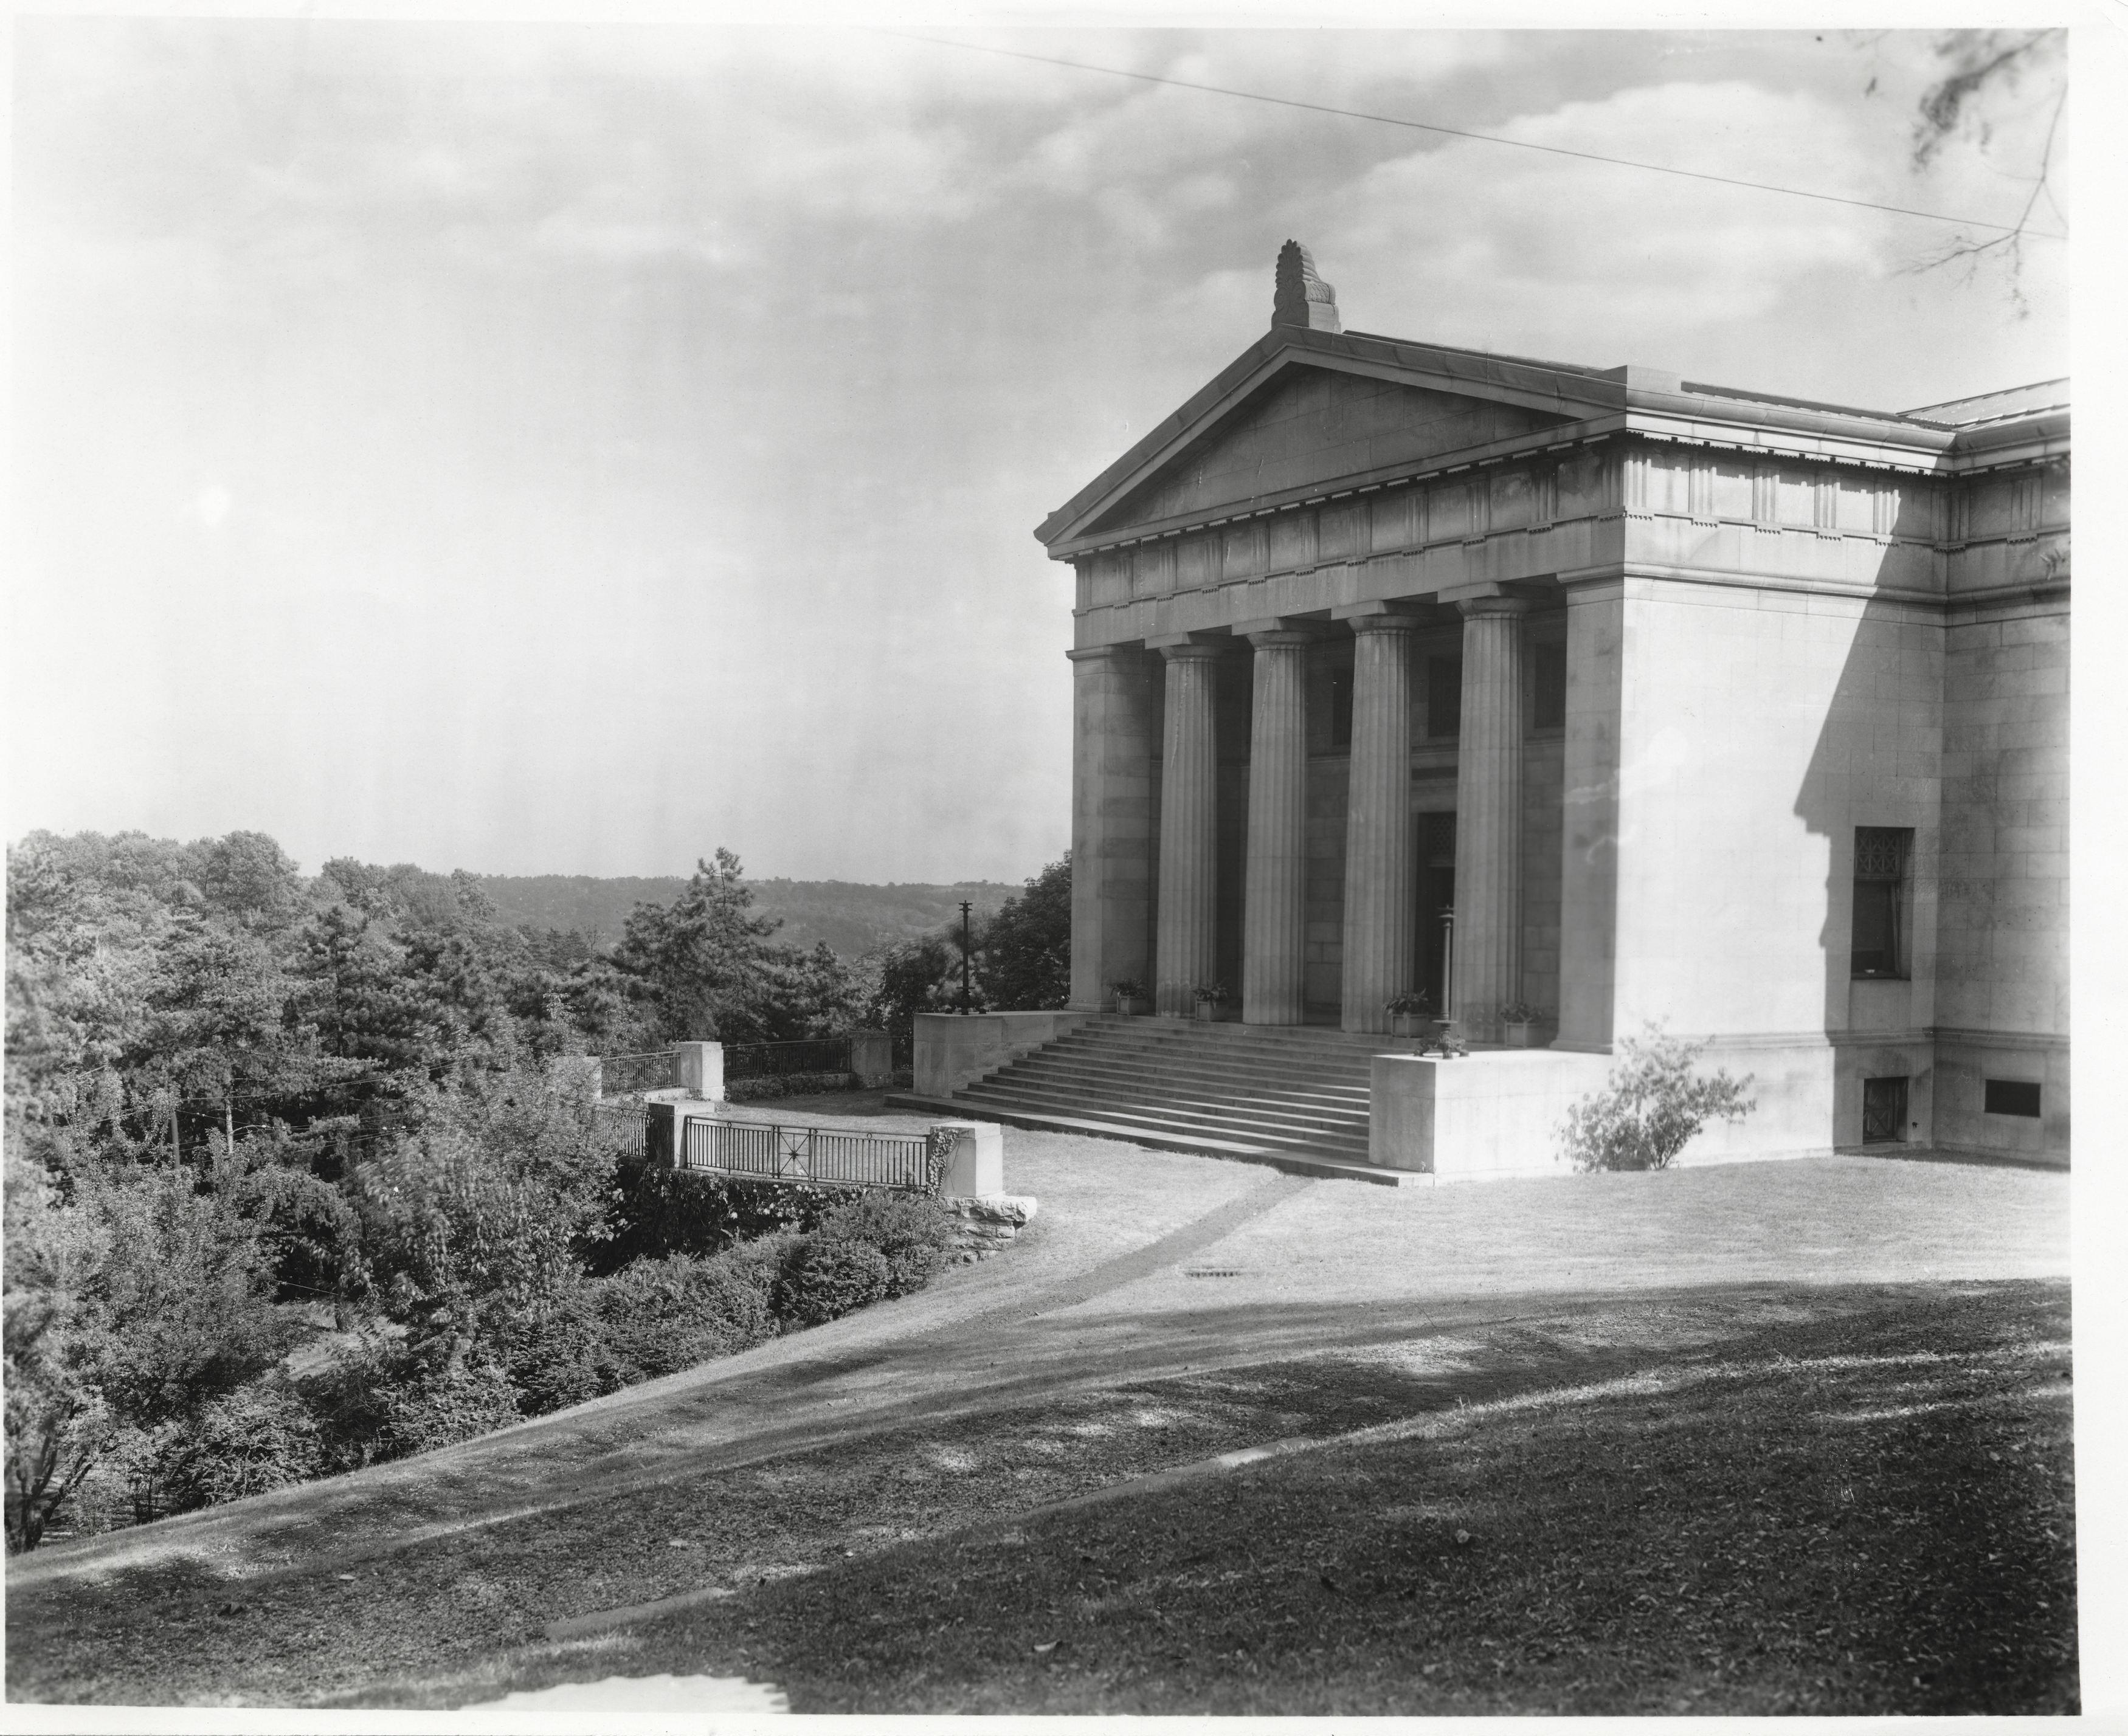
(976, 1170)
(1494, 1113)
(952, 1051)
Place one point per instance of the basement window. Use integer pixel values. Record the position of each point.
(1882, 854)
(2013, 1097)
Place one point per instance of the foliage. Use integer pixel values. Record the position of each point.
(1213, 992)
(1409, 1004)
(658, 1210)
(911, 1233)
(1650, 1105)
(825, 1277)
(921, 975)
(768, 1087)
(1026, 964)
(1128, 987)
(255, 1439)
(658, 1317)
(1521, 1012)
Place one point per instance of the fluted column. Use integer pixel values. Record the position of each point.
(1114, 730)
(1379, 889)
(1488, 817)
(1189, 844)
(1275, 892)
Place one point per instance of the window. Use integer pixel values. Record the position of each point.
(1548, 683)
(1341, 708)
(1444, 696)
(1883, 1110)
(2012, 1096)
(1881, 855)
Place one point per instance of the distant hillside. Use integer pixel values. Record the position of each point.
(850, 917)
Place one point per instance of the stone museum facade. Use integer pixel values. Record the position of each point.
(1631, 699)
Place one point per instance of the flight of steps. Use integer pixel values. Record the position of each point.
(1292, 1096)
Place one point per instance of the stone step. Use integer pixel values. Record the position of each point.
(1212, 1124)
(1302, 1073)
(1124, 1070)
(1293, 1163)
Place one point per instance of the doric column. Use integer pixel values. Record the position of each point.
(1113, 733)
(1275, 908)
(1488, 817)
(1188, 842)
(1379, 889)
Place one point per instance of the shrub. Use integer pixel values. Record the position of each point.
(659, 1315)
(449, 1406)
(1650, 1105)
(658, 1210)
(765, 1087)
(824, 1279)
(258, 1437)
(555, 1355)
(911, 1233)
(385, 1397)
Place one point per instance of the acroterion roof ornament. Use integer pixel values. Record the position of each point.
(1302, 297)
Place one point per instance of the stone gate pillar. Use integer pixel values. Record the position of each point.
(1274, 909)
(1184, 949)
(1379, 888)
(1488, 969)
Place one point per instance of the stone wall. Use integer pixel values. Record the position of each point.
(982, 1227)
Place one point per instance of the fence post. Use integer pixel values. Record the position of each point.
(702, 1071)
(663, 1129)
(976, 1170)
(872, 1057)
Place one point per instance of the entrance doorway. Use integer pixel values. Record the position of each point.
(1437, 895)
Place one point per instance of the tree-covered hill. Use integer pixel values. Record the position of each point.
(850, 917)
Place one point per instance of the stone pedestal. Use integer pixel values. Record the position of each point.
(1488, 818)
(1378, 889)
(1189, 844)
(1274, 909)
(702, 1068)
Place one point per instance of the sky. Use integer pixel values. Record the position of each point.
(571, 448)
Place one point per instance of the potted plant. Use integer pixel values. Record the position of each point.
(1208, 997)
(1408, 1011)
(1129, 992)
(1520, 1019)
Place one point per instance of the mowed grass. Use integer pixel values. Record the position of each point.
(1869, 1516)
(1862, 1509)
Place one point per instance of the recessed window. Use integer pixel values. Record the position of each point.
(1883, 1110)
(1548, 683)
(1444, 696)
(2013, 1097)
(1882, 854)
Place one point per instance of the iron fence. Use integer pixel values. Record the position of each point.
(630, 1120)
(625, 1075)
(825, 1156)
(767, 1060)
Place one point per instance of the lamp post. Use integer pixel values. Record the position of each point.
(964, 957)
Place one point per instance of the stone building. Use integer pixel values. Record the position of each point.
(1636, 699)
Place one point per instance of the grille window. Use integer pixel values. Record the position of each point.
(1881, 856)
(2013, 1097)
(1444, 696)
(1883, 1110)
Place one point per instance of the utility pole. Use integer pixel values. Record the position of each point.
(965, 905)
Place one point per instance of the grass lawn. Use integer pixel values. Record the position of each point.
(1838, 1481)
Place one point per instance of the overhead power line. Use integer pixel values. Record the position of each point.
(1454, 132)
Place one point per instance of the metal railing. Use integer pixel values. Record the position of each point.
(825, 1156)
(631, 1121)
(762, 1060)
(623, 1075)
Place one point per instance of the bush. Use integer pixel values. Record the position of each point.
(386, 1397)
(258, 1437)
(1651, 1106)
(659, 1315)
(824, 1279)
(658, 1210)
(911, 1233)
(555, 1355)
(766, 1087)
(446, 1407)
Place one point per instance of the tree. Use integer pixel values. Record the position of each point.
(702, 962)
(1026, 945)
(1651, 1105)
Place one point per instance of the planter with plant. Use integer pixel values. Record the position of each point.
(1519, 1019)
(1408, 1012)
(1206, 997)
(1129, 992)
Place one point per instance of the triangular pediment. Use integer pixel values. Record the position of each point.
(1308, 426)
